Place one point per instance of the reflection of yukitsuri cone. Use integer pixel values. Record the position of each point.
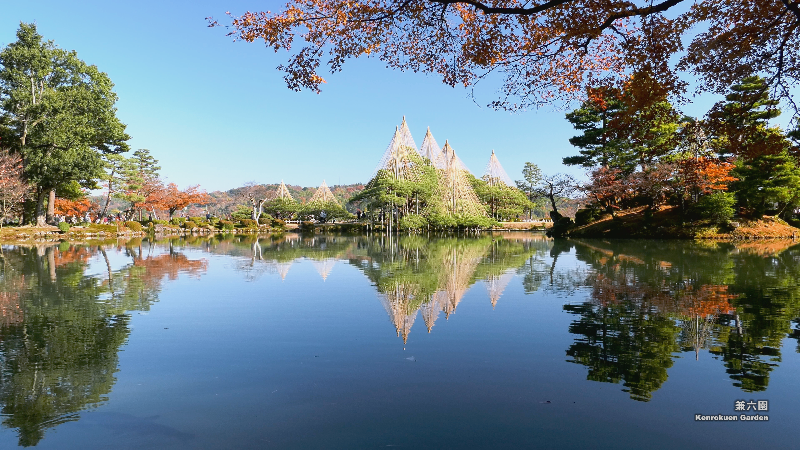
(323, 194)
(458, 268)
(430, 311)
(397, 303)
(324, 267)
(495, 285)
(283, 269)
(283, 192)
(494, 173)
(430, 149)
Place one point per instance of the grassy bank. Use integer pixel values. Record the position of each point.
(669, 223)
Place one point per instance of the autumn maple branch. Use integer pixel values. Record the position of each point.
(501, 10)
(641, 12)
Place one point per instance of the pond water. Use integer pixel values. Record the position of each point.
(340, 342)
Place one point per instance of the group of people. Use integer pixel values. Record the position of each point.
(74, 219)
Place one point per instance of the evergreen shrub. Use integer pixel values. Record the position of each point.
(248, 223)
(63, 226)
(586, 216)
(133, 226)
(412, 222)
(189, 224)
(717, 207)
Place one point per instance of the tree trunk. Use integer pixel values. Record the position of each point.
(108, 197)
(51, 207)
(40, 210)
(553, 201)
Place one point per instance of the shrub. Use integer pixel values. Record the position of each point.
(189, 224)
(412, 222)
(177, 221)
(63, 226)
(586, 216)
(716, 207)
(264, 220)
(278, 223)
(226, 224)
(248, 223)
(133, 226)
(159, 222)
(199, 220)
(242, 212)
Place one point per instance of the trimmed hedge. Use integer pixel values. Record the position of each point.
(189, 224)
(248, 223)
(63, 226)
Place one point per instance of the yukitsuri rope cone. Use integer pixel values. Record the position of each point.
(399, 158)
(431, 150)
(283, 192)
(494, 173)
(455, 188)
(323, 195)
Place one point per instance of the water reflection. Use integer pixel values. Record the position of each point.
(61, 329)
(634, 306)
(650, 300)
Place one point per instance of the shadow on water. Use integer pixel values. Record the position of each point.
(635, 305)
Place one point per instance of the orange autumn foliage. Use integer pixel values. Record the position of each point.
(76, 208)
(171, 199)
(542, 51)
(703, 175)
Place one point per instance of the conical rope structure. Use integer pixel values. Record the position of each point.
(494, 173)
(457, 194)
(446, 157)
(431, 150)
(398, 159)
(283, 192)
(323, 195)
(407, 139)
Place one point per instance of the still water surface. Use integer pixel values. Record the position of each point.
(504, 341)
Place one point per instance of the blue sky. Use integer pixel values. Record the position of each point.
(218, 114)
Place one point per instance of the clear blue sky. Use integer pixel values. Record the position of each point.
(218, 114)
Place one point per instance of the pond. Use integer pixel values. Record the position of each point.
(346, 342)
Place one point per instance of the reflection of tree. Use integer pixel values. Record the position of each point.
(735, 301)
(622, 339)
(415, 275)
(59, 344)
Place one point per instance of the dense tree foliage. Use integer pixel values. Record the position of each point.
(649, 155)
(57, 112)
